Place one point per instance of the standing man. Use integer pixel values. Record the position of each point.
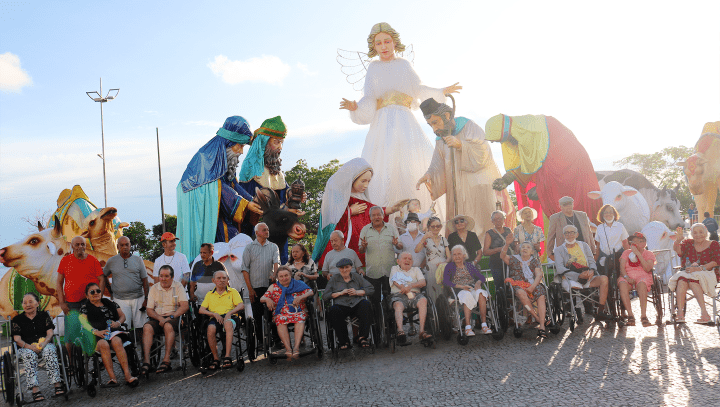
(711, 225)
(171, 258)
(339, 252)
(129, 284)
(260, 262)
(410, 239)
(377, 240)
(462, 167)
(74, 273)
(201, 279)
(568, 216)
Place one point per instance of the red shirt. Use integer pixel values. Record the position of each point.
(78, 274)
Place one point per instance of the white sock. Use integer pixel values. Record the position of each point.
(468, 327)
(484, 324)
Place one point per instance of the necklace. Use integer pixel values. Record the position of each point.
(171, 259)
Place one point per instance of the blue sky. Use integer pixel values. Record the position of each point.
(624, 76)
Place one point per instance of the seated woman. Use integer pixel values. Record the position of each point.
(32, 331)
(525, 276)
(466, 280)
(636, 267)
(95, 312)
(286, 298)
(347, 289)
(700, 258)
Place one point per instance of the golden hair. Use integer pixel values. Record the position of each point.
(383, 28)
(600, 213)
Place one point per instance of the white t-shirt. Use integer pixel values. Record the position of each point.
(403, 277)
(612, 235)
(178, 262)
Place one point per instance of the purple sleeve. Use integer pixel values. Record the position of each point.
(475, 272)
(447, 277)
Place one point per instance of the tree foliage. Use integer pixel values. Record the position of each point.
(315, 180)
(146, 242)
(660, 169)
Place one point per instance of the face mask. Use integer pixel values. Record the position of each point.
(609, 220)
(412, 226)
(570, 242)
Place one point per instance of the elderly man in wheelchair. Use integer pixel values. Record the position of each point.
(220, 305)
(167, 302)
(576, 267)
(405, 284)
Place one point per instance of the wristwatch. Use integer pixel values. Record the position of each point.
(172, 316)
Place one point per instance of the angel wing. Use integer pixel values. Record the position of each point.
(354, 64)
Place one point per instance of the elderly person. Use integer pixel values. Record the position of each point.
(377, 240)
(104, 318)
(437, 252)
(568, 216)
(611, 238)
(466, 281)
(260, 263)
(636, 267)
(286, 299)
(411, 238)
(460, 228)
(700, 258)
(495, 239)
(347, 289)
(527, 231)
(221, 304)
(575, 264)
(525, 276)
(167, 302)
(339, 251)
(32, 331)
(75, 273)
(406, 282)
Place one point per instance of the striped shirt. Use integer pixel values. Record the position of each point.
(258, 261)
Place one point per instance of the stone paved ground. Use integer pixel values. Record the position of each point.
(595, 365)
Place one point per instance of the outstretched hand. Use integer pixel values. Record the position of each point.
(454, 88)
(349, 105)
(499, 184)
(255, 208)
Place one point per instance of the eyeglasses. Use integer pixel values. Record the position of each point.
(435, 226)
(570, 232)
(458, 221)
(93, 292)
(125, 263)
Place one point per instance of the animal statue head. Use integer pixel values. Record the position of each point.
(37, 256)
(695, 170)
(98, 227)
(281, 222)
(666, 208)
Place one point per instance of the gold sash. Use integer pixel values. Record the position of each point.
(394, 98)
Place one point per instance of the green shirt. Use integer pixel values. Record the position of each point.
(379, 254)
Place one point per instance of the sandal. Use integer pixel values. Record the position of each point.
(425, 336)
(111, 383)
(37, 396)
(145, 368)
(542, 334)
(401, 337)
(214, 365)
(133, 383)
(164, 367)
(364, 343)
(702, 321)
(227, 363)
(645, 322)
(630, 321)
(60, 390)
(486, 330)
(345, 346)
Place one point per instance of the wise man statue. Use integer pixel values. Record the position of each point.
(462, 167)
(211, 204)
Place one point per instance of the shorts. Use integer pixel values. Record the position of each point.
(158, 330)
(640, 276)
(134, 318)
(219, 326)
(406, 302)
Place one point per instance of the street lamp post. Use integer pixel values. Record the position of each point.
(100, 99)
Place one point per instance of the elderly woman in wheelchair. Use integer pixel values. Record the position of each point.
(32, 331)
(525, 276)
(466, 281)
(286, 299)
(405, 284)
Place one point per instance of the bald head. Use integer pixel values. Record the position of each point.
(123, 246)
(78, 246)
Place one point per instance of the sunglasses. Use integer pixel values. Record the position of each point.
(125, 263)
(93, 292)
(435, 226)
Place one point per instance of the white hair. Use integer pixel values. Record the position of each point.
(462, 249)
(376, 207)
(701, 225)
(258, 225)
(565, 229)
(221, 271)
(492, 215)
(339, 233)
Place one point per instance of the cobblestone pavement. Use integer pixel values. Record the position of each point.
(598, 364)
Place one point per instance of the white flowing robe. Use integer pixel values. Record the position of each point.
(475, 171)
(396, 146)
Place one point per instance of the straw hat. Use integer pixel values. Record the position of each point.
(520, 211)
(451, 223)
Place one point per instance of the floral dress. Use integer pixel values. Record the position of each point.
(522, 236)
(515, 272)
(289, 314)
(689, 255)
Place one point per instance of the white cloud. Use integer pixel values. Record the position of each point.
(204, 123)
(266, 68)
(12, 77)
(325, 128)
(304, 68)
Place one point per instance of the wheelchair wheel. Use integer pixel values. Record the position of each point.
(314, 328)
(433, 323)
(556, 298)
(194, 341)
(8, 379)
(501, 307)
(378, 326)
(517, 332)
(657, 299)
(444, 315)
(77, 361)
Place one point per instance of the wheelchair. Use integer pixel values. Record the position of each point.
(516, 308)
(10, 369)
(411, 318)
(87, 368)
(182, 340)
(199, 349)
(312, 334)
(566, 303)
(452, 316)
(333, 343)
(673, 306)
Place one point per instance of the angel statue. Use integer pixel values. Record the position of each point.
(395, 147)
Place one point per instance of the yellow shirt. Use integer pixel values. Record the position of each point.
(221, 304)
(577, 255)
